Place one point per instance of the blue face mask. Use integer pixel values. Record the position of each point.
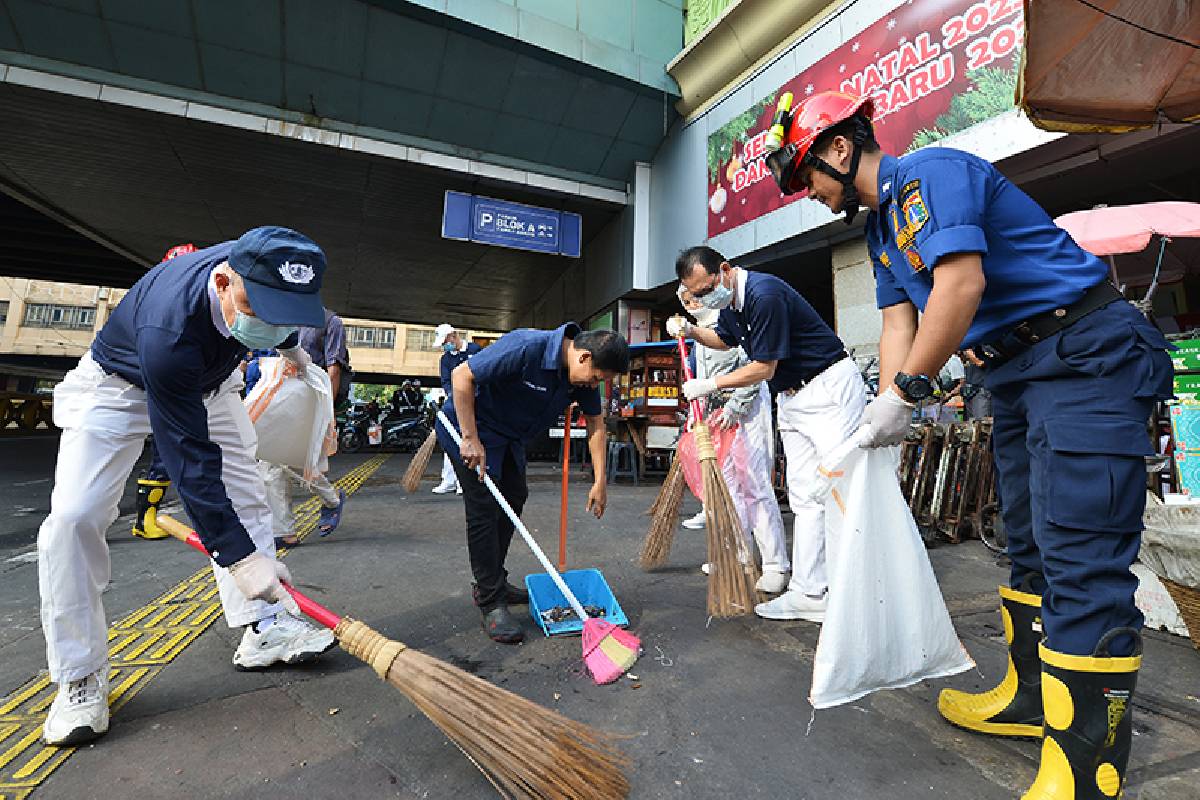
(258, 335)
(449, 347)
(720, 297)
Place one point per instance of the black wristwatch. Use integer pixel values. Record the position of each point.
(914, 388)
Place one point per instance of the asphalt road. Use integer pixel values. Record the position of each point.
(718, 709)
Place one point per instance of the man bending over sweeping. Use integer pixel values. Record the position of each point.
(166, 362)
(502, 398)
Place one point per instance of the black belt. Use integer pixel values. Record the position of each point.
(805, 381)
(1042, 326)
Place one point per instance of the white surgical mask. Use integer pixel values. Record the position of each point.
(720, 297)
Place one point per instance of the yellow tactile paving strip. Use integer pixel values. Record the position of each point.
(140, 645)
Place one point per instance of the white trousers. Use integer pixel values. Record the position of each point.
(747, 470)
(449, 478)
(104, 424)
(275, 482)
(278, 483)
(812, 422)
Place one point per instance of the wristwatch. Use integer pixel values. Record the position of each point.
(914, 388)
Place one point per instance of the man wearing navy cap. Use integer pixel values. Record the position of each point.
(503, 397)
(1074, 373)
(820, 396)
(166, 362)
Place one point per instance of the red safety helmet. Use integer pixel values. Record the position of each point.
(804, 126)
(179, 250)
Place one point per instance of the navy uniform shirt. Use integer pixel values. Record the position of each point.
(775, 323)
(940, 201)
(162, 338)
(451, 360)
(521, 387)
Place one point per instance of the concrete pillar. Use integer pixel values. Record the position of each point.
(858, 320)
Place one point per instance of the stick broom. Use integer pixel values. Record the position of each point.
(527, 752)
(732, 573)
(416, 468)
(665, 511)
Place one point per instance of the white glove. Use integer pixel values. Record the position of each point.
(699, 387)
(259, 577)
(298, 356)
(888, 416)
(727, 418)
(678, 326)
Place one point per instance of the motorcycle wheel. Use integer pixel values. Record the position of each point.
(991, 529)
(352, 442)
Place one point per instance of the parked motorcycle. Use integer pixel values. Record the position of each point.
(368, 427)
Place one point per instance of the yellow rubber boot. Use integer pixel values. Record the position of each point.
(1014, 708)
(1089, 723)
(150, 494)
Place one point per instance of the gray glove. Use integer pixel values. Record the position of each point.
(260, 577)
(888, 416)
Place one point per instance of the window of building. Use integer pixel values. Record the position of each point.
(419, 339)
(3, 311)
(50, 315)
(361, 336)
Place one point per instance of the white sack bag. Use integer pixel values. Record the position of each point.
(292, 415)
(886, 624)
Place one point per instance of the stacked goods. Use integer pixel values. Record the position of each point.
(1186, 360)
(1185, 417)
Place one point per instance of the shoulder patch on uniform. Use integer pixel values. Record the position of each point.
(914, 260)
(915, 212)
(909, 188)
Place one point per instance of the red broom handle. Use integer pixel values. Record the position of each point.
(562, 511)
(309, 606)
(687, 376)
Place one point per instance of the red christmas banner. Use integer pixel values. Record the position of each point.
(933, 68)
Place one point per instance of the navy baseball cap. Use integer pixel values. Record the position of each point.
(282, 271)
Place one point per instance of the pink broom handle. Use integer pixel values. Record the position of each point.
(520, 526)
(687, 376)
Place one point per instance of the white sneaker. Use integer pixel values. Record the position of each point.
(793, 605)
(457, 489)
(695, 523)
(445, 488)
(79, 712)
(289, 640)
(772, 581)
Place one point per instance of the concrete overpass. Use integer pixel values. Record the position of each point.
(139, 125)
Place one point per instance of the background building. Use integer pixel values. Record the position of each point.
(46, 326)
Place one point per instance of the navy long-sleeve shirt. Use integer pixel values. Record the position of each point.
(163, 338)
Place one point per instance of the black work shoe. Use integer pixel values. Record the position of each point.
(513, 595)
(501, 625)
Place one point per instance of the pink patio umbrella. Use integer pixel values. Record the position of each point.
(1128, 230)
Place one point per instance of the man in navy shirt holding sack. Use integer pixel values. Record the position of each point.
(1074, 372)
(503, 397)
(821, 395)
(166, 362)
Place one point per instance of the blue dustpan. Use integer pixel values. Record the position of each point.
(587, 584)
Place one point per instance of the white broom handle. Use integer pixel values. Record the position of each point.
(520, 526)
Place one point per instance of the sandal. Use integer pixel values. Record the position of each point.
(332, 517)
(282, 541)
